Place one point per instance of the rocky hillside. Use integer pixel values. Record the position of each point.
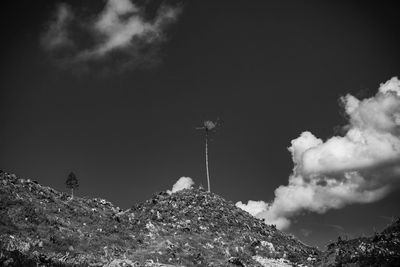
(382, 249)
(40, 226)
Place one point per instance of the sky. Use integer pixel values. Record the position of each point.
(113, 91)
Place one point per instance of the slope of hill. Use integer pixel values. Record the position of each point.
(382, 249)
(40, 226)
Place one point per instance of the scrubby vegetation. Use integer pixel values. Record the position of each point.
(40, 226)
(382, 249)
(190, 227)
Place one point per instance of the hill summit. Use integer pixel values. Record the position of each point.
(192, 227)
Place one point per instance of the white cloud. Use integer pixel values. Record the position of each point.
(253, 207)
(360, 167)
(182, 183)
(121, 26)
(118, 33)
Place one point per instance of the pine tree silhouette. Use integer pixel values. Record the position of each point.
(72, 183)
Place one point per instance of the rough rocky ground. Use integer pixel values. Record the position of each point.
(42, 227)
(382, 249)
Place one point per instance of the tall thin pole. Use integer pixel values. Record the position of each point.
(208, 174)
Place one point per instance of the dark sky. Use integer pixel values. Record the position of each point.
(269, 69)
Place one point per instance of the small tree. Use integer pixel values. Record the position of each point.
(72, 183)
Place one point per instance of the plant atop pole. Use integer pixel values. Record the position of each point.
(207, 127)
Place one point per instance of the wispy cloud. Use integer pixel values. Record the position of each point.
(335, 226)
(121, 34)
(57, 34)
(362, 166)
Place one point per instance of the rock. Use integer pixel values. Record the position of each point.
(236, 261)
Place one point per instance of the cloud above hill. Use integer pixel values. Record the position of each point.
(182, 183)
(122, 34)
(362, 166)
